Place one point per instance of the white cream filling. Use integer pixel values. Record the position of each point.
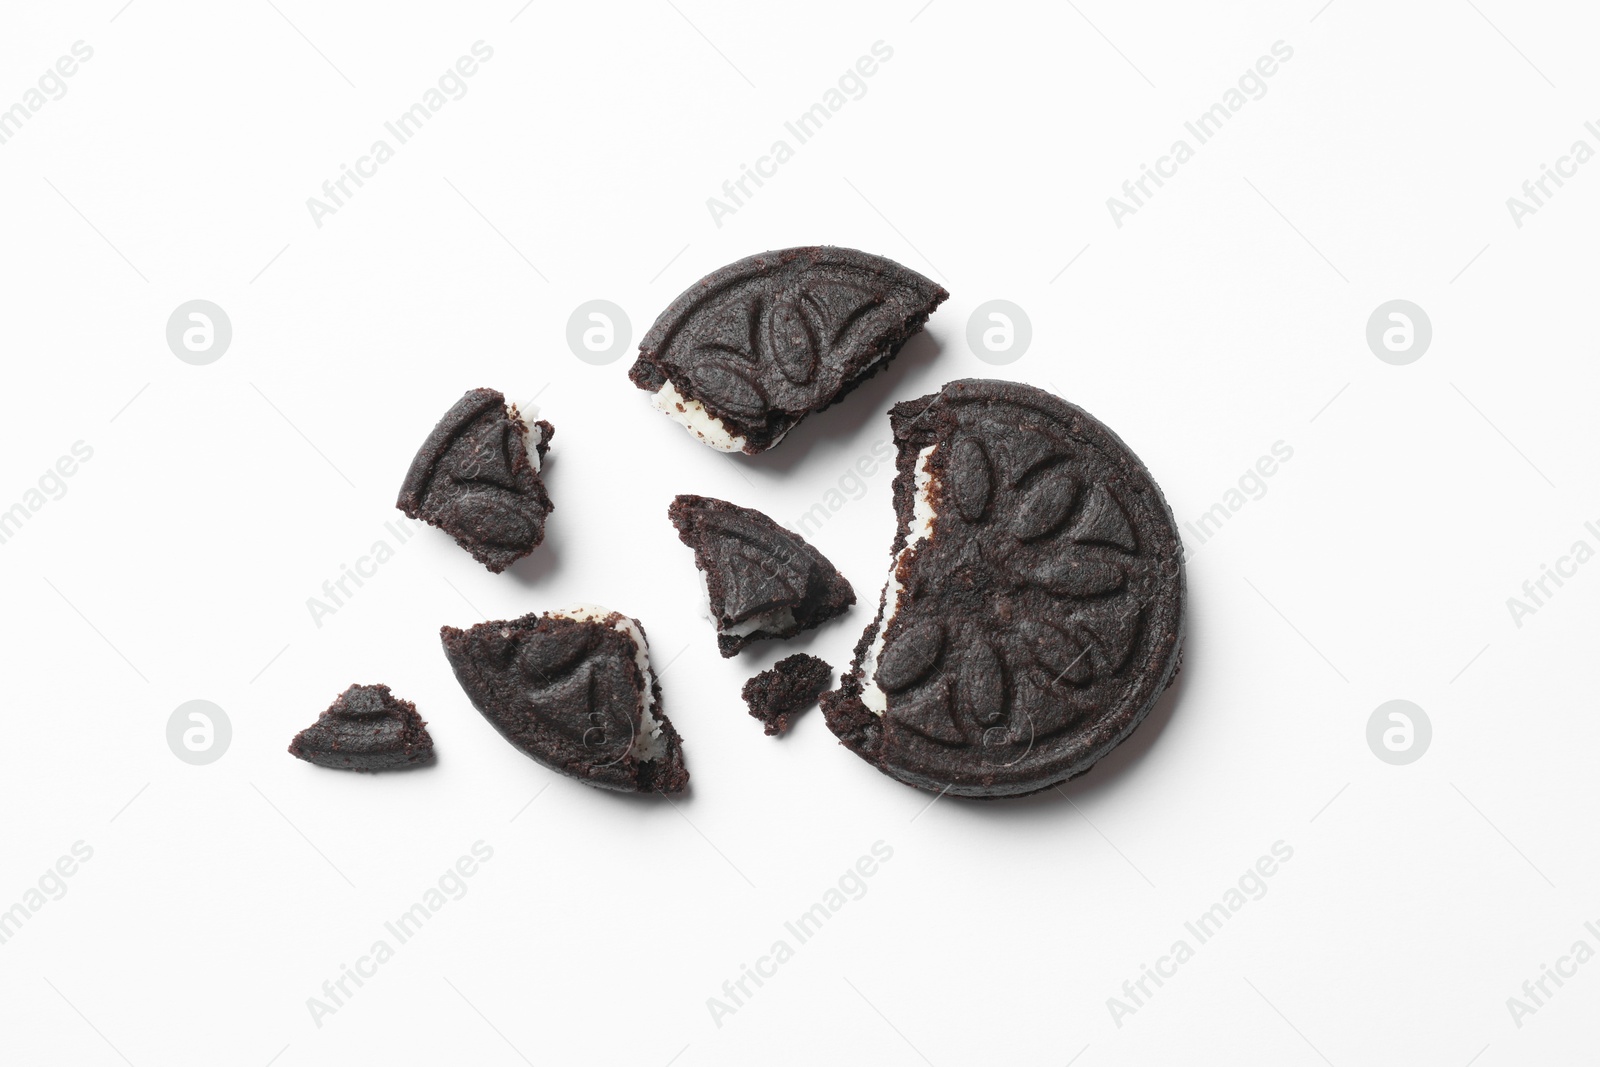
(922, 516)
(532, 433)
(777, 620)
(696, 419)
(649, 744)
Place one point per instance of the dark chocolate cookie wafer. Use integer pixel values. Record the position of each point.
(791, 686)
(754, 347)
(574, 690)
(761, 580)
(367, 728)
(1035, 607)
(477, 479)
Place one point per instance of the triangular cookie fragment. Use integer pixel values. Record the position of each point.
(574, 690)
(367, 728)
(476, 478)
(761, 580)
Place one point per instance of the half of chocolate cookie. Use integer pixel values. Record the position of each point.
(755, 346)
(1035, 603)
(574, 690)
(367, 728)
(760, 579)
(791, 686)
(476, 477)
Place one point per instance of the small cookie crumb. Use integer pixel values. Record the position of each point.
(793, 684)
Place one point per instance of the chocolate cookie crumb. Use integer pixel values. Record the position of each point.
(791, 686)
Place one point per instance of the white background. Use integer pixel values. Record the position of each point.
(1226, 315)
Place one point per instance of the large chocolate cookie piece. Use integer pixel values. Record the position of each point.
(751, 349)
(761, 580)
(367, 728)
(574, 690)
(793, 684)
(477, 479)
(1035, 606)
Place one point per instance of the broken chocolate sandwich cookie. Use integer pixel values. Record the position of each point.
(754, 347)
(367, 728)
(760, 580)
(476, 478)
(574, 690)
(1034, 610)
